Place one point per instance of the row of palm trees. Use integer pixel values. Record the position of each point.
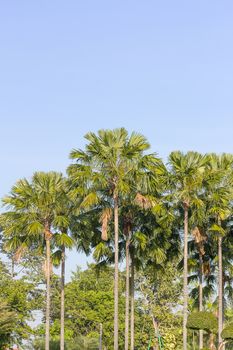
(116, 185)
(204, 187)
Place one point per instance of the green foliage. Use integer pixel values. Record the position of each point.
(203, 320)
(227, 333)
(89, 302)
(79, 343)
(151, 202)
(186, 176)
(160, 291)
(16, 306)
(33, 209)
(7, 322)
(112, 161)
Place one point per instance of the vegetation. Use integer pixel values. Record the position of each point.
(168, 226)
(227, 333)
(203, 320)
(17, 302)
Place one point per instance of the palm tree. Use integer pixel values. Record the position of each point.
(219, 190)
(147, 199)
(146, 184)
(62, 240)
(132, 300)
(19, 246)
(147, 240)
(200, 264)
(31, 214)
(143, 220)
(105, 169)
(186, 174)
(127, 229)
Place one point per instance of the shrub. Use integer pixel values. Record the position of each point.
(203, 320)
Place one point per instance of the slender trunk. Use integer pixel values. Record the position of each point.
(132, 303)
(220, 291)
(155, 325)
(211, 342)
(62, 334)
(47, 326)
(116, 229)
(185, 310)
(127, 293)
(200, 296)
(222, 345)
(101, 336)
(12, 267)
(194, 344)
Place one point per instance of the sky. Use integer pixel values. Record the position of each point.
(161, 68)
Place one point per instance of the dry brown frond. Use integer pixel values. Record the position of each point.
(106, 215)
(19, 253)
(142, 201)
(206, 268)
(47, 234)
(200, 238)
(127, 223)
(199, 235)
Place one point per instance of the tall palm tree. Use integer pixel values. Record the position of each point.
(31, 213)
(151, 241)
(149, 187)
(132, 300)
(149, 227)
(105, 169)
(146, 187)
(19, 246)
(219, 191)
(186, 174)
(127, 229)
(62, 241)
(200, 263)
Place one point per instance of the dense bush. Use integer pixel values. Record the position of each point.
(203, 320)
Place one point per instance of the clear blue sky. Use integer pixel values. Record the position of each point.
(163, 68)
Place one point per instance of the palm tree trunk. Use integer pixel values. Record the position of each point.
(47, 326)
(12, 267)
(220, 291)
(132, 303)
(100, 336)
(127, 293)
(185, 310)
(116, 232)
(200, 296)
(62, 334)
(211, 342)
(222, 345)
(155, 325)
(194, 344)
